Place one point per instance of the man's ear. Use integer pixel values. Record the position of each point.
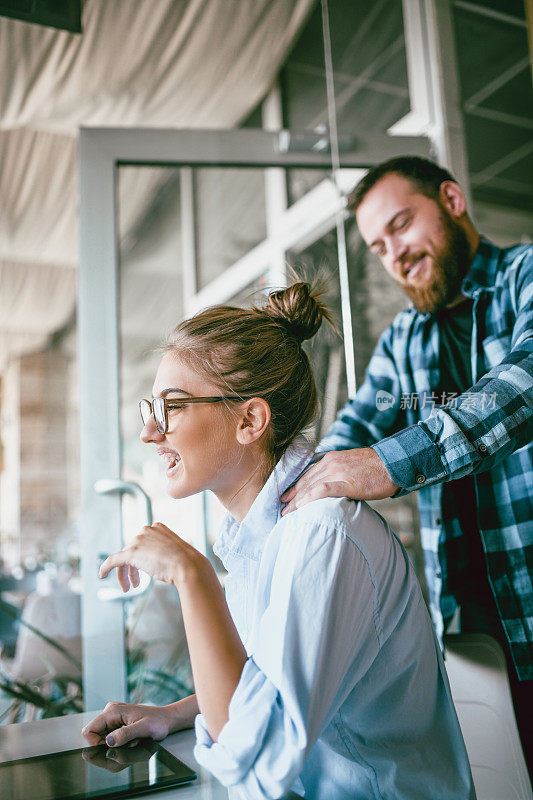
(452, 198)
(254, 419)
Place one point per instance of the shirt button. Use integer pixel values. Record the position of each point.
(483, 448)
(437, 521)
(420, 478)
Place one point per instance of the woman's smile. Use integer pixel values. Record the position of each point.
(172, 459)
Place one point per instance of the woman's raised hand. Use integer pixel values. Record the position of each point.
(157, 551)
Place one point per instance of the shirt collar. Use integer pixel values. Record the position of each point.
(482, 272)
(247, 538)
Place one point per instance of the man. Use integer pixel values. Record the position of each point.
(447, 409)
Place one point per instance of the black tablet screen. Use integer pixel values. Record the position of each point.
(93, 772)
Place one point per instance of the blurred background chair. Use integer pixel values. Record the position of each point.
(43, 676)
(479, 682)
(56, 616)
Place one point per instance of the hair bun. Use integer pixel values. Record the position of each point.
(299, 308)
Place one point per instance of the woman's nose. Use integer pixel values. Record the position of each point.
(149, 432)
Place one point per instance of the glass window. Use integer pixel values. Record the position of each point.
(370, 75)
(497, 98)
(230, 217)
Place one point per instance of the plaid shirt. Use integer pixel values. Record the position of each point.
(486, 432)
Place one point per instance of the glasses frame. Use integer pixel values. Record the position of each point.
(163, 405)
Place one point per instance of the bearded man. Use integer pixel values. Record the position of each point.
(446, 409)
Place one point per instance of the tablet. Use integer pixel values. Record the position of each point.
(93, 772)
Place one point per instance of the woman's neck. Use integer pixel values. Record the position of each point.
(249, 479)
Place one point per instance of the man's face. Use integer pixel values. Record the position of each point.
(420, 243)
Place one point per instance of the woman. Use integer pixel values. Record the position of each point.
(317, 670)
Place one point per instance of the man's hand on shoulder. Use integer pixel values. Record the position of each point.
(358, 474)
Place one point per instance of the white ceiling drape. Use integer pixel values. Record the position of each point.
(170, 63)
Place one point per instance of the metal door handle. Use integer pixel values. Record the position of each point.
(115, 486)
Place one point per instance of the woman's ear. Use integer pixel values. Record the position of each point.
(452, 198)
(254, 419)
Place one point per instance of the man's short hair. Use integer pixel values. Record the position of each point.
(424, 174)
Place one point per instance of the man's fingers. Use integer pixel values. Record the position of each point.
(303, 484)
(317, 491)
(358, 474)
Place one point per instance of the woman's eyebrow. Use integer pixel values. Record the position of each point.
(167, 391)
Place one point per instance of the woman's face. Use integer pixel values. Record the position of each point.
(200, 448)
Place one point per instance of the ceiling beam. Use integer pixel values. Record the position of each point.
(378, 86)
(511, 186)
(500, 116)
(502, 163)
(498, 82)
(361, 81)
(490, 13)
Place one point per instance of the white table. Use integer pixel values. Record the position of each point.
(64, 733)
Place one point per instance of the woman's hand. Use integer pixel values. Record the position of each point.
(125, 723)
(157, 551)
(121, 723)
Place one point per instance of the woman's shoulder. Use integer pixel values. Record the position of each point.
(353, 521)
(351, 540)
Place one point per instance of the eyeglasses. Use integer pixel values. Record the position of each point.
(159, 407)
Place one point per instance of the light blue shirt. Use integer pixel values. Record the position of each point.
(344, 694)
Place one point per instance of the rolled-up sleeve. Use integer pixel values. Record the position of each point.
(317, 637)
(238, 757)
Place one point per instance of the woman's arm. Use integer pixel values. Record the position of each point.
(216, 651)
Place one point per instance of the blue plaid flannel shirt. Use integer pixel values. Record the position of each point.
(486, 431)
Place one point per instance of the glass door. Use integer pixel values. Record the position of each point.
(173, 221)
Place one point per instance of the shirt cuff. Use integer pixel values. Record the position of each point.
(412, 459)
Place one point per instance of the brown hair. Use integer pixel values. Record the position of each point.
(425, 175)
(257, 352)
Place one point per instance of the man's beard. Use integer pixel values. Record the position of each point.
(450, 266)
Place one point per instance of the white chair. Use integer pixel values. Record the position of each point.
(57, 616)
(479, 682)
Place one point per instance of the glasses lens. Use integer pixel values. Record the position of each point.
(158, 405)
(146, 410)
